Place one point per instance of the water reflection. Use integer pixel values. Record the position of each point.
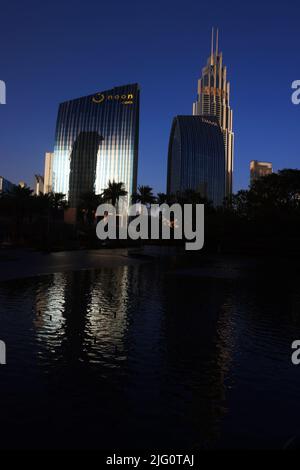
(142, 357)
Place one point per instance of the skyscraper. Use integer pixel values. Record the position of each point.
(48, 172)
(214, 100)
(259, 169)
(97, 141)
(197, 157)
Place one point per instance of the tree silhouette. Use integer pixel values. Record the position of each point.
(144, 195)
(114, 192)
(88, 203)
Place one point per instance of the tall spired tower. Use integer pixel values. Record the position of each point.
(213, 99)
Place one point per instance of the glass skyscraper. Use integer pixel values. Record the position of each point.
(97, 141)
(214, 100)
(197, 157)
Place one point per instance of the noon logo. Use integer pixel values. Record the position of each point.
(123, 99)
(99, 98)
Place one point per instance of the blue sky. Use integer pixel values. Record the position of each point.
(65, 49)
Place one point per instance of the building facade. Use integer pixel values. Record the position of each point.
(97, 141)
(259, 169)
(214, 100)
(48, 172)
(38, 185)
(5, 185)
(196, 157)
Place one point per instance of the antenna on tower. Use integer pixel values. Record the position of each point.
(212, 46)
(217, 42)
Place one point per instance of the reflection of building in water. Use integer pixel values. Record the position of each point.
(144, 346)
(108, 308)
(201, 353)
(83, 315)
(225, 338)
(50, 300)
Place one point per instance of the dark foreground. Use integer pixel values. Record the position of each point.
(148, 356)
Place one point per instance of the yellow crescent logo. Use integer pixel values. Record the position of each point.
(99, 98)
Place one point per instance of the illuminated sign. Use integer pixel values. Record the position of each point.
(213, 123)
(123, 99)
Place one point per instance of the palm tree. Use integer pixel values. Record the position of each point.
(58, 201)
(88, 203)
(144, 195)
(50, 202)
(191, 196)
(161, 198)
(21, 198)
(113, 192)
(19, 203)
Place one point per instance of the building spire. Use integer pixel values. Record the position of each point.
(212, 46)
(217, 42)
(214, 99)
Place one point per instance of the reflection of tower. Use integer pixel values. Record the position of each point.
(83, 164)
(86, 312)
(201, 360)
(214, 99)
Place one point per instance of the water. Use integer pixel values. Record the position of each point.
(144, 357)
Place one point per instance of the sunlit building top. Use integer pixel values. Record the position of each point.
(259, 169)
(214, 100)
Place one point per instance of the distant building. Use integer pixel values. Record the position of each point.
(97, 141)
(22, 184)
(38, 185)
(197, 157)
(48, 172)
(5, 185)
(259, 169)
(214, 100)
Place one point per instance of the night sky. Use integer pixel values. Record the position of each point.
(60, 50)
